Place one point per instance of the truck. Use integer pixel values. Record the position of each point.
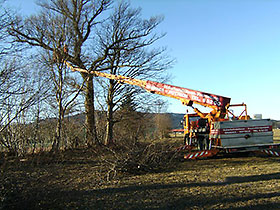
(207, 134)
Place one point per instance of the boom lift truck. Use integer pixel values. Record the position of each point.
(212, 132)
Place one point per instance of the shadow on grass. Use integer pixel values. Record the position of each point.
(254, 178)
(159, 196)
(228, 180)
(140, 197)
(202, 203)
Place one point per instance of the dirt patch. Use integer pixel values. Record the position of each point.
(232, 182)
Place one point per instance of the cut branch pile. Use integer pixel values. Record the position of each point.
(137, 159)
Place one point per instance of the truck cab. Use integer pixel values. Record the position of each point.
(196, 131)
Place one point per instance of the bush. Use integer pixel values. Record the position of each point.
(138, 158)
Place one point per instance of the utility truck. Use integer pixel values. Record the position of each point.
(206, 134)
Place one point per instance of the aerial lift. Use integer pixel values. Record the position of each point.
(206, 134)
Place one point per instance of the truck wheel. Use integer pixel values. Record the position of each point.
(201, 142)
(186, 140)
(207, 144)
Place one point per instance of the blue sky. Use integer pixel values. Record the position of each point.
(229, 48)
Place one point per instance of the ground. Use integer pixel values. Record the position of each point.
(75, 182)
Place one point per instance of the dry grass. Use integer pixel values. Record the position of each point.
(75, 182)
(276, 135)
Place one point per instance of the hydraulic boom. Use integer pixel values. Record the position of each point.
(218, 104)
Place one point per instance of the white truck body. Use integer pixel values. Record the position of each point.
(242, 133)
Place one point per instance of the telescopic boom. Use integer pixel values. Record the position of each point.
(187, 96)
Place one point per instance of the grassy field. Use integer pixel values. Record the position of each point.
(74, 181)
(276, 135)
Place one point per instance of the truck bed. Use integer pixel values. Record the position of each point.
(243, 133)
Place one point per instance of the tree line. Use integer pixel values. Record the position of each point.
(39, 95)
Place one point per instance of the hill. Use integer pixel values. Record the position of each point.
(175, 119)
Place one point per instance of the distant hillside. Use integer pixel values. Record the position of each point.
(174, 117)
(176, 120)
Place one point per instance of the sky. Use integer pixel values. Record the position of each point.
(229, 48)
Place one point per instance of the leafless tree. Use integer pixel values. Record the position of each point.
(16, 87)
(69, 30)
(63, 23)
(65, 94)
(17, 96)
(162, 124)
(130, 39)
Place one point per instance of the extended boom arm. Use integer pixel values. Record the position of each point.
(218, 103)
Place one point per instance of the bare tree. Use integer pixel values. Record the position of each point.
(163, 125)
(65, 92)
(16, 87)
(17, 96)
(67, 23)
(129, 38)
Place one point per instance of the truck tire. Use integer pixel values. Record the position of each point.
(186, 140)
(208, 143)
(201, 142)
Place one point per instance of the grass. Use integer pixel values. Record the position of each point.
(74, 181)
(276, 135)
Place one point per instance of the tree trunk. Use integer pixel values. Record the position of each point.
(109, 126)
(110, 122)
(57, 140)
(91, 137)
